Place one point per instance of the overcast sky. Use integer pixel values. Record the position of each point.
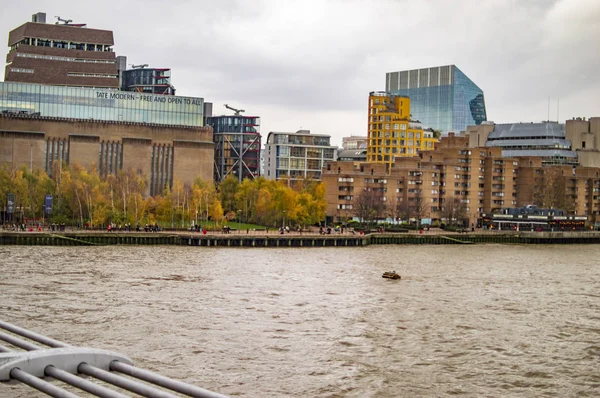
(311, 64)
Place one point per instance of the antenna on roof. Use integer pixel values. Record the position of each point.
(237, 111)
(65, 21)
(557, 108)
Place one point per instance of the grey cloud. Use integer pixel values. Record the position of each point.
(318, 59)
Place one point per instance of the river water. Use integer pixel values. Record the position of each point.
(478, 320)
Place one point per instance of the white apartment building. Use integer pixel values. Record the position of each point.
(297, 156)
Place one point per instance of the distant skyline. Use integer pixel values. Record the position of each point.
(311, 65)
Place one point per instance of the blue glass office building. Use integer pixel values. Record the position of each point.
(443, 97)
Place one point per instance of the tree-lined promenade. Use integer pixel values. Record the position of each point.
(82, 198)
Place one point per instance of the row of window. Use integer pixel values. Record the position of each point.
(301, 152)
(33, 41)
(391, 158)
(22, 70)
(301, 140)
(395, 134)
(401, 143)
(70, 59)
(102, 75)
(293, 163)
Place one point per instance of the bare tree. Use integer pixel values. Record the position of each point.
(402, 209)
(419, 208)
(369, 205)
(454, 211)
(551, 191)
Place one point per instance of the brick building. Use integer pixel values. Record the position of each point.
(160, 137)
(66, 54)
(455, 179)
(161, 153)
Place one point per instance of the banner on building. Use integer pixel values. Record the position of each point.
(48, 204)
(10, 203)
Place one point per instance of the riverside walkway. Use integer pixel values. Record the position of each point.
(295, 239)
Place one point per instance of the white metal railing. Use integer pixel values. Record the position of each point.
(64, 362)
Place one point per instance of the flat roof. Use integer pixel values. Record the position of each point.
(517, 130)
(61, 32)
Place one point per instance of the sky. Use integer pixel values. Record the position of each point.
(311, 64)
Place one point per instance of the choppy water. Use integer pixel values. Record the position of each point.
(482, 320)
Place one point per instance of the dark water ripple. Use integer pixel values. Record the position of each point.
(485, 320)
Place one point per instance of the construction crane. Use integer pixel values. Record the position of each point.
(138, 66)
(65, 21)
(237, 111)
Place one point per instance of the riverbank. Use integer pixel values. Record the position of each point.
(291, 240)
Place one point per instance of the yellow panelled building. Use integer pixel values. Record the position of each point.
(392, 133)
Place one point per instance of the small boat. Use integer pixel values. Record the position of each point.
(390, 275)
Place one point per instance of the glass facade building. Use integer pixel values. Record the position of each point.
(100, 104)
(442, 98)
(148, 80)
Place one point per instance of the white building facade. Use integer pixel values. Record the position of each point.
(297, 156)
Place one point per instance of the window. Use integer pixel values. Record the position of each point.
(21, 70)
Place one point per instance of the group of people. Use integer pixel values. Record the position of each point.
(57, 227)
(113, 227)
(127, 227)
(14, 227)
(325, 231)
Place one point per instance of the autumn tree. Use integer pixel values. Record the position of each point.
(246, 197)
(264, 206)
(227, 193)
(84, 191)
(203, 198)
(311, 204)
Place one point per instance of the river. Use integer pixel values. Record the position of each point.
(477, 320)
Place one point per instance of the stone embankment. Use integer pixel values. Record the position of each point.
(291, 240)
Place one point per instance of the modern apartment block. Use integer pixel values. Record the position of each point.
(297, 156)
(354, 142)
(461, 180)
(66, 54)
(391, 132)
(237, 146)
(147, 80)
(442, 97)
